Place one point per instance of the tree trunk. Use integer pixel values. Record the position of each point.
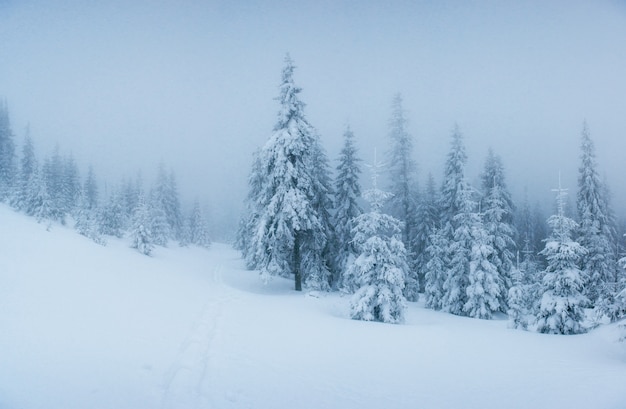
(296, 261)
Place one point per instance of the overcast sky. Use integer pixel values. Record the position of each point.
(124, 84)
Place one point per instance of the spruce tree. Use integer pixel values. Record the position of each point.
(594, 233)
(497, 208)
(7, 154)
(290, 233)
(402, 205)
(248, 242)
(141, 234)
(380, 269)
(196, 231)
(347, 208)
(561, 310)
(427, 222)
(28, 166)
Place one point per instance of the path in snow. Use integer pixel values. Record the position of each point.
(189, 381)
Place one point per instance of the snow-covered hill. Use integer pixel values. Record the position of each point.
(85, 326)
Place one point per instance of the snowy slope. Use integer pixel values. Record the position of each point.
(85, 326)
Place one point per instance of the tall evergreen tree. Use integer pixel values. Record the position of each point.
(291, 231)
(28, 166)
(561, 310)
(427, 222)
(90, 190)
(248, 241)
(347, 208)
(497, 208)
(141, 233)
(196, 231)
(380, 269)
(595, 231)
(402, 205)
(166, 199)
(7, 154)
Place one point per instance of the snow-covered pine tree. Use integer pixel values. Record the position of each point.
(347, 209)
(318, 254)
(166, 196)
(561, 310)
(40, 205)
(596, 230)
(141, 234)
(380, 269)
(159, 226)
(449, 207)
(403, 187)
(497, 208)
(453, 181)
(196, 231)
(472, 286)
(291, 231)
(427, 222)
(70, 185)
(435, 272)
(485, 283)
(28, 165)
(87, 223)
(7, 154)
(90, 190)
(247, 239)
(52, 173)
(517, 301)
(111, 216)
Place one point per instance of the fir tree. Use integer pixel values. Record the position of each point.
(403, 187)
(28, 166)
(347, 209)
(485, 284)
(435, 269)
(428, 222)
(111, 215)
(497, 207)
(290, 235)
(159, 226)
(196, 231)
(90, 190)
(248, 242)
(7, 154)
(141, 234)
(561, 310)
(595, 231)
(380, 269)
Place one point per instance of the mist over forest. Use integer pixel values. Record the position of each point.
(124, 87)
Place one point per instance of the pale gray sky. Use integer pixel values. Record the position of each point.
(125, 84)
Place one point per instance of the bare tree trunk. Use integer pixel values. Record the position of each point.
(296, 261)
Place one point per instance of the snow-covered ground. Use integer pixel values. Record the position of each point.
(85, 326)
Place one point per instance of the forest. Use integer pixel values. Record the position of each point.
(467, 250)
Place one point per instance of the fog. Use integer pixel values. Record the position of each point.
(124, 85)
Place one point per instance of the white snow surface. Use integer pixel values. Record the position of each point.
(86, 326)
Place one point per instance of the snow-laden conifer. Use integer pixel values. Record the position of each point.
(497, 210)
(196, 231)
(7, 154)
(595, 230)
(141, 234)
(561, 309)
(347, 208)
(427, 222)
(380, 269)
(436, 269)
(402, 172)
(28, 166)
(485, 284)
(290, 236)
